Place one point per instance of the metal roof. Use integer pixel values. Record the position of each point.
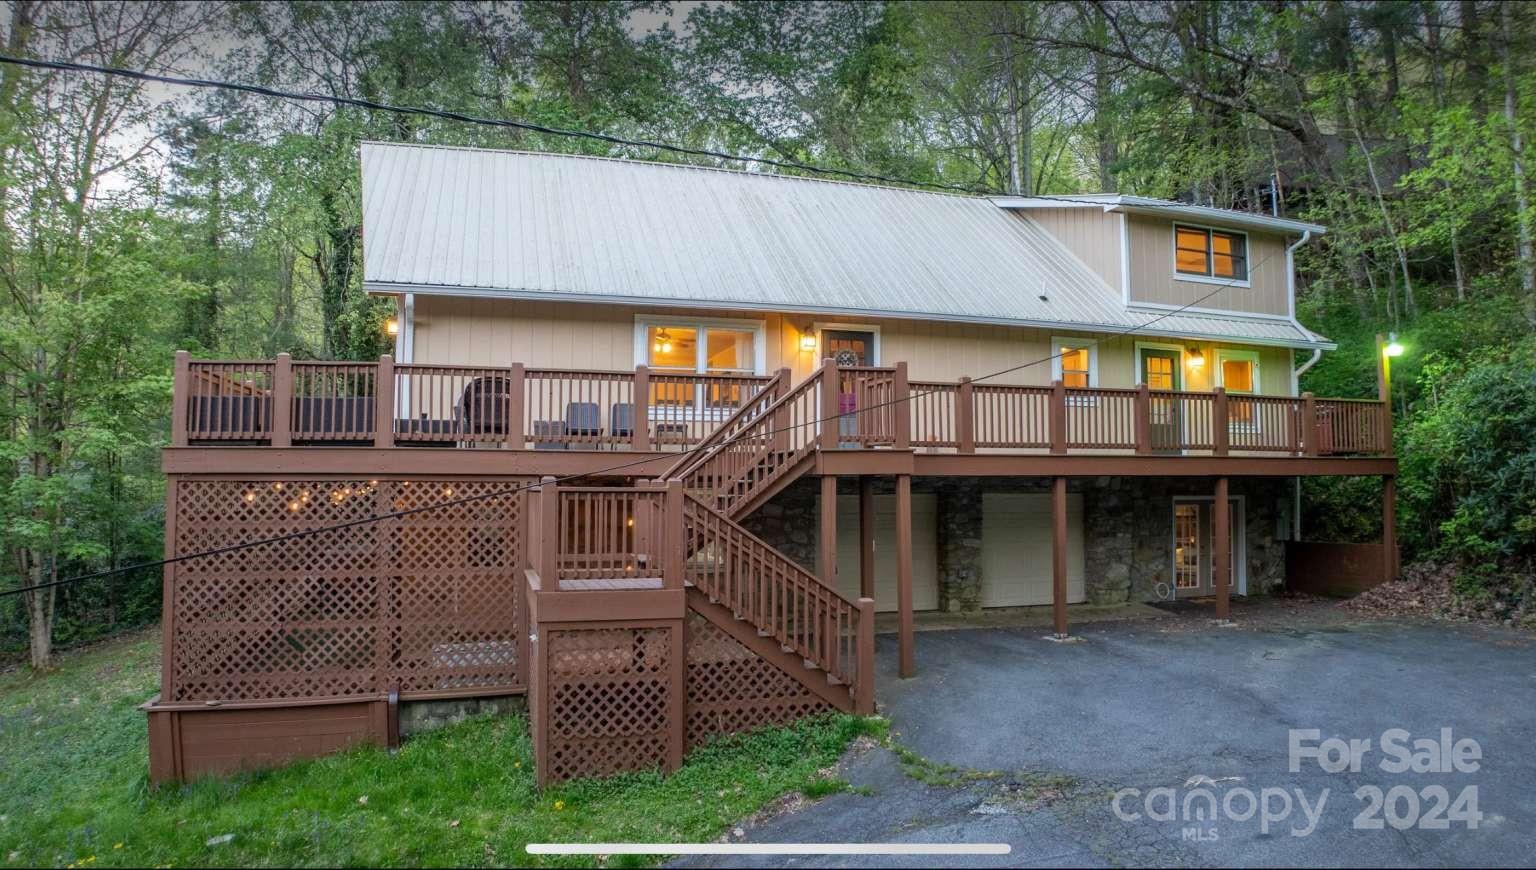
(1118, 202)
(463, 221)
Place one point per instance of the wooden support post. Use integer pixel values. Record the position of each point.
(677, 686)
(1389, 561)
(1058, 417)
(907, 657)
(1384, 394)
(517, 403)
(1143, 420)
(640, 416)
(674, 542)
(1309, 431)
(384, 402)
(826, 544)
(864, 688)
(282, 401)
(831, 387)
(1059, 556)
(1221, 421)
(549, 529)
(181, 391)
(781, 387)
(901, 409)
(1221, 547)
(965, 416)
(168, 588)
(866, 536)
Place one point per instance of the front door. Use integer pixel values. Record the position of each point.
(1194, 564)
(1160, 372)
(850, 347)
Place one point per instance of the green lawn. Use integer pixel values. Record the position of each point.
(74, 791)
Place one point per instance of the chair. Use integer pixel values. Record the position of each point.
(482, 408)
(583, 420)
(549, 435)
(621, 419)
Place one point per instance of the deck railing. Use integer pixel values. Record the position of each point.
(384, 404)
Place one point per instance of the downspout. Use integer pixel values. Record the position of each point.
(1317, 354)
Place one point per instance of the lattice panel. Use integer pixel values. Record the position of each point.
(431, 600)
(732, 689)
(609, 705)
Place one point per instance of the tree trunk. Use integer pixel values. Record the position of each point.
(1517, 148)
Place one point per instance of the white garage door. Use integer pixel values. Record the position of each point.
(1016, 549)
(925, 551)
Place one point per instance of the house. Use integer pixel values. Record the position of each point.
(657, 442)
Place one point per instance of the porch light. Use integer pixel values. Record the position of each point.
(392, 326)
(1394, 347)
(1196, 357)
(808, 341)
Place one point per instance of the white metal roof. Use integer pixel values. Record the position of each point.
(464, 221)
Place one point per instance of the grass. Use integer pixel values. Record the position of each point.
(74, 790)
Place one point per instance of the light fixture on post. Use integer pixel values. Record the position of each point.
(1394, 347)
(1196, 357)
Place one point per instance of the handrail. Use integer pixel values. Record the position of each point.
(783, 600)
(742, 416)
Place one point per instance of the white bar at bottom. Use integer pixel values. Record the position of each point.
(769, 849)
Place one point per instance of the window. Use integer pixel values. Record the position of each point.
(1238, 373)
(1074, 362)
(1208, 253)
(677, 347)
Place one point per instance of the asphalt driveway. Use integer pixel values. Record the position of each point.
(1027, 742)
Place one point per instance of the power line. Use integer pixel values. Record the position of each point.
(160, 563)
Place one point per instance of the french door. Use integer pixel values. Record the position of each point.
(1193, 551)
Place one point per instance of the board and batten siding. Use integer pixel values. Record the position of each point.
(1153, 278)
(1089, 233)
(486, 332)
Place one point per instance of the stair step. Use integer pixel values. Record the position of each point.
(834, 681)
(810, 665)
(788, 649)
(765, 633)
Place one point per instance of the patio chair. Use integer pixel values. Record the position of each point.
(621, 419)
(549, 435)
(482, 408)
(583, 420)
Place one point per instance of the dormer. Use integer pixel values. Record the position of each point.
(1161, 255)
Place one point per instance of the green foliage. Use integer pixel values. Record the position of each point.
(75, 789)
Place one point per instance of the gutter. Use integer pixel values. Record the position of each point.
(1317, 354)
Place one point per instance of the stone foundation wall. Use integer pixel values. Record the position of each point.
(1127, 530)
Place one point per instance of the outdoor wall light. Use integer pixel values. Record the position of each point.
(1196, 357)
(392, 326)
(808, 341)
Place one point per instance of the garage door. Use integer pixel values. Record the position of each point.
(925, 551)
(1016, 549)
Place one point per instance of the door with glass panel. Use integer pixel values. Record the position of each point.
(1194, 568)
(851, 347)
(1160, 372)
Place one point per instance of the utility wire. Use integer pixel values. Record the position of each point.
(69, 66)
(159, 563)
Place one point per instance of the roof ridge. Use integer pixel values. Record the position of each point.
(667, 164)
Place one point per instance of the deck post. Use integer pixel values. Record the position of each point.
(864, 689)
(181, 391)
(900, 410)
(782, 384)
(1143, 420)
(1059, 557)
(1058, 417)
(384, 402)
(1221, 550)
(282, 401)
(640, 417)
(1309, 431)
(866, 536)
(826, 543)
(1389, 567)
(549, 530)
(907, 658)
(673, 540)
(516, 402)
(1221, 421)
(965, 416)
(831, 398)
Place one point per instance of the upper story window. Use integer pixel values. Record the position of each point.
(1207, 253)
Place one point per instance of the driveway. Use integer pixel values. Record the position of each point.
(1027, 741)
